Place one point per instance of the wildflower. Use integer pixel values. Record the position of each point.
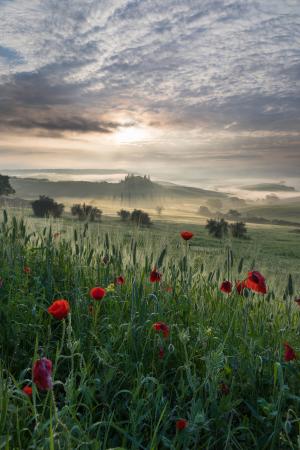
(42, 374)
(97, 293)
(226, 287)
(120, 280)
(186, 235)
(256, 282)
(155, 276)
(27, 390)
(110, 288)
(289, 352)
(163, 327)
(240, 286)
(169, 289)
(161, 353)
(59, 309)
(224, 389)
(181, 424)
(27, 270)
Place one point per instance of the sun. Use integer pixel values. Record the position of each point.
(128, 135)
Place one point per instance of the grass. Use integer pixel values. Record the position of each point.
(111, 388)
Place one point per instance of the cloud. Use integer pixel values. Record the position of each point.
(215, 72)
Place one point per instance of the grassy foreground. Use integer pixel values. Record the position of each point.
(117, 382)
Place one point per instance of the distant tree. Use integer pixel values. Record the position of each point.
(204, 211)
(46, 207)
(86, 212)
(159, 210)
(5, 187)
(233, 214)
(215, 203)
(238, 230)
(140, 217)
(124, 214)
(217, 228)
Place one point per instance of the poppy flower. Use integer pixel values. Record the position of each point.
(120, 280)
(163, 327)
(27, 390)
(186, 235)
(155, 276)
(161, 353)
(256, 282)
(226, 287)
(27, 270)
(42, 374)
(97, 293)
(224, 389)
(181, 424)
(240, 286)
(59, 309)
(289, 353)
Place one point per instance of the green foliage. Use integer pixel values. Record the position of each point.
(46, 207)
(86, 212)
(217, 228)
(124, 214)
(140, 218)
(238, 230)
(111, 388)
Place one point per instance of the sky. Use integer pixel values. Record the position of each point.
(182, 89)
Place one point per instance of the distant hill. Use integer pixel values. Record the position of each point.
(274, 187)
(130, 188)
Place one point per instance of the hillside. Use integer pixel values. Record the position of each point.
(274, 187)
(132, 187)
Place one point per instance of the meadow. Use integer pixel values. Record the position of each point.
(215, 375)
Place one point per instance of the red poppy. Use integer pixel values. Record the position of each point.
(240, 286)
(120, 280)
(161, 353)
(97, 293)
(186, 235)
(163, 327)
(27, 270)
(181, 424)
(256, 282)
(224, 388)
(42, 374)
(59, 309)
(289, 353)
(226, 287)
(155, 276)
(27, 390)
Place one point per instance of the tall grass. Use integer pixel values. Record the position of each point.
(111, 388)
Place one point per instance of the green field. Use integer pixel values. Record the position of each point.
(111, 387)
